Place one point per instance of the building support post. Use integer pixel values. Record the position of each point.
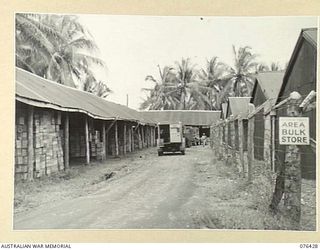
(116, 138)
(87, 141)
(158, 140)
(130, 138)
(124, 138)
(66, 141)
(142, 135)
(104, 144)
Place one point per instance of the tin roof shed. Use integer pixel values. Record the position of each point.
(186, 117)
(37, 91)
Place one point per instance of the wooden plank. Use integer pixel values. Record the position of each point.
(116, 138)
(250, 147)
(124, 138)
(66, 141)
(104, 144)
(30, 143)
(87, 141)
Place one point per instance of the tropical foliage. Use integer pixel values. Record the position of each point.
(206, 88)
(58, 48)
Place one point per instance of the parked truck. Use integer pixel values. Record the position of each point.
(170, 138)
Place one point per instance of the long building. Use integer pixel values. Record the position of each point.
(56, 125)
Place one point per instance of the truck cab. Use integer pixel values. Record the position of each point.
(170, 138)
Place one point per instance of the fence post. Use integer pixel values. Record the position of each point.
(233, 142)
(273, 139)
(292, 183)
(220, 142)
(250, 147)
(267, 141)
(227, 140)
(240, 128)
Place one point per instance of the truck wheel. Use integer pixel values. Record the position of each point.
(183, 152)
(160, 153)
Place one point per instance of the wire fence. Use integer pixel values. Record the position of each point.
(258, 139)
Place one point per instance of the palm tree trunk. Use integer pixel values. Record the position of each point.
(183, 101)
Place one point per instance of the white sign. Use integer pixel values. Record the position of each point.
(294, 131)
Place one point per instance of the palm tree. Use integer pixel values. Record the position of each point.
(56, 47)
(162, 95)
(212, 77)
(240, 79)
(98, 88)
(275, 66)
(261, 67)
(192, 94)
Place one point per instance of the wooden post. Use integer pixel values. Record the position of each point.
(124, 138)
(143, 138)
(87, 141)
(219, 141)
(147, 136)
(158, 140)
(292, 184)
(66, 141)
(227, 141)
(154, 136)
(116, 138)
(250, 147)
(273, 137)
(267, 141)
(233, 142)
(130, 138)
(240, 128)
(104, 144)
(30, 144)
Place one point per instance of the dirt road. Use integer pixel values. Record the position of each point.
(151, 192)
(152, 196)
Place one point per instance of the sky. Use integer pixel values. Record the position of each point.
(133, 46)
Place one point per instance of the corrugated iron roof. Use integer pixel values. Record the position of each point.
(309, 35)
(186, 117)
(37, 91)
(224, 107)
(238, 106)
(270, 83)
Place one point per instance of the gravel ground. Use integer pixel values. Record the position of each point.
(143, 190)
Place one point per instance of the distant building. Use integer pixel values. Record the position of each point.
(265, 92)
(238, 106)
